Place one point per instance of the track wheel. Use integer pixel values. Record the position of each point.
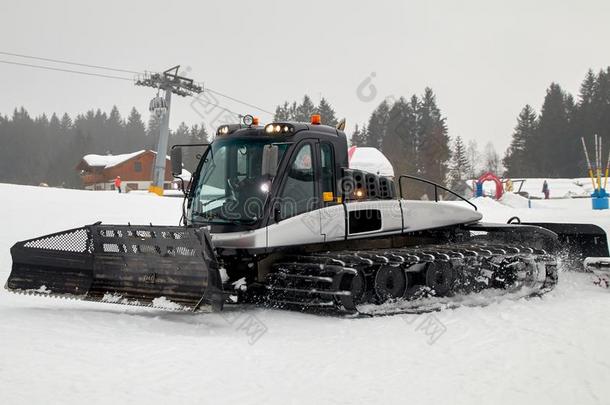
(390, 283)
(439, 277)
(356, 285)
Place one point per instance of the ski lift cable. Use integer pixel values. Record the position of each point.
(19, 55)
(66, 70)
(239, 101)
(108, 76)
(239, 115)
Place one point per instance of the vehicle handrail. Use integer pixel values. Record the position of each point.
(436, 187)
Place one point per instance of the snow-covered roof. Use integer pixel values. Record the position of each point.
(370, 160)
(107, 161)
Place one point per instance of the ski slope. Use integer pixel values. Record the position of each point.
(550, 350)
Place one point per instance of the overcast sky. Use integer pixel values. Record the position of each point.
(485, 60)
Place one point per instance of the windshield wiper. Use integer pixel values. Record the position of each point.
(212, 216)
(205, 215)
(213, 200)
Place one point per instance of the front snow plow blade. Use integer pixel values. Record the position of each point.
(166, 267)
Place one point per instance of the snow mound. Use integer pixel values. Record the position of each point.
(485, 203)
(514, 200)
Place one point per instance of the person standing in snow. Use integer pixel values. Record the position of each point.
(545, 190)
(117, 183)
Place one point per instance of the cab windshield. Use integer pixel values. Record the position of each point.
(231, 187)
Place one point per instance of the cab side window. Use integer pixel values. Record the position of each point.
(298, 195)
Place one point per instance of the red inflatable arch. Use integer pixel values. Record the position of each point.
(489, 176)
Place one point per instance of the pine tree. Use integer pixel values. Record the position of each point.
(474, 158)
(555, 147)
(66, 122)
(305, 110)
(292, 112)
(400, 142)
(585, 118)
(601, 105)
(181, 134)
(55, 123)
(327, 114)
(282, 112)
(433, 138)
(199, 134)
(378, 125)
(492, 159)
(517, 160)
(587, 88)
(135, 131)
(42, 120)
(358, 137)
(115, 132)
(459, 168)
(61, 164)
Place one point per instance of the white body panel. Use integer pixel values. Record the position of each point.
(419, 215)
(329, 224)
(333, 222)
(241, 240)
(304, 228)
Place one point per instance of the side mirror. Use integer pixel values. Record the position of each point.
(270, 158)
(176, 158)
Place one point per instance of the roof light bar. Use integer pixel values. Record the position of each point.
(279, 128)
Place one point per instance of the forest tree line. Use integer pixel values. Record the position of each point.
(47, 149)
(547, 144)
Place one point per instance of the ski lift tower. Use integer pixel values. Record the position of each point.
(170, 82)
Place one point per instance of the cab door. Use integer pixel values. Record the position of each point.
(296, 209)
(332, 211)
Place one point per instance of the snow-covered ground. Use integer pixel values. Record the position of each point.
(559, 188)
(550, 350)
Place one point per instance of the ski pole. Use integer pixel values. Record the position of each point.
(584, 147)
(596, 160)
(607, 169)
(599, 165)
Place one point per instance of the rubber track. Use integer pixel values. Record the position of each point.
(293, 283)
